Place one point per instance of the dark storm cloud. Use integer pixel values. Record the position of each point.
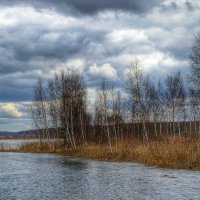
(11, 93)
(37, 37)
(24, 47)
(87, 6)
(91, 6)
(189, 5)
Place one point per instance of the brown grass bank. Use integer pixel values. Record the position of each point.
(168, 152)
(4, 147)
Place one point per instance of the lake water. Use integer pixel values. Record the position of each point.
(54, 177)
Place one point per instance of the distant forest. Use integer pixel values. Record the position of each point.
(144, 109)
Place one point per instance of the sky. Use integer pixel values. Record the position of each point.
(98, 38)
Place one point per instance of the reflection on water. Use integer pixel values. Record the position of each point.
(52, 177)
(75, 164)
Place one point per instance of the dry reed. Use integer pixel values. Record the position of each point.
(170, 152)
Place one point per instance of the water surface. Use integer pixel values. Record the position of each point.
(53, 177)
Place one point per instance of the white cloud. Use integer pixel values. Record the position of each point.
(10, 16)
(72, 64)
(127, 35)
(103, 71)
(10, 110)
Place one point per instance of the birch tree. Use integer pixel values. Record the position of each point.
(194, 79)
(135, 89)
(39, 109)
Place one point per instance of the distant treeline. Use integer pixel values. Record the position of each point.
(164, 107)
(29, 134)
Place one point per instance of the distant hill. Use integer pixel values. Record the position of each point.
(18, 134)
(5, 133)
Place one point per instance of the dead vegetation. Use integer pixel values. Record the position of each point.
(170, 152)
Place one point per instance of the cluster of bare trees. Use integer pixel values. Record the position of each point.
(60, 108)
(165, 103)
(109, 112)
(169, 106)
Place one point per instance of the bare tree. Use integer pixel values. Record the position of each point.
(116, 117)
(194, 110)
(103, 108)
(151, 102)
(118, 109)
(161, 106)
(53, 104)
(195, 63)
(62, 107)
(194, 79)
(39, 109)
(135, 89)
(73, 113)
(176, 98)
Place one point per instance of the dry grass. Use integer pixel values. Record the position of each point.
(6, 148)
(167, 152)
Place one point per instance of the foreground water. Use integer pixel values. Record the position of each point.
(54, 177)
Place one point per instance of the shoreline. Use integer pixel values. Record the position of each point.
(101, 159)
(170, 152)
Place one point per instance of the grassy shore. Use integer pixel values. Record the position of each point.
(168, 152)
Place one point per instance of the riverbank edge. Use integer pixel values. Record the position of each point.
(171, 153)
(101, 159)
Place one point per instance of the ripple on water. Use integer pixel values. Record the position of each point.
(45, 176)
